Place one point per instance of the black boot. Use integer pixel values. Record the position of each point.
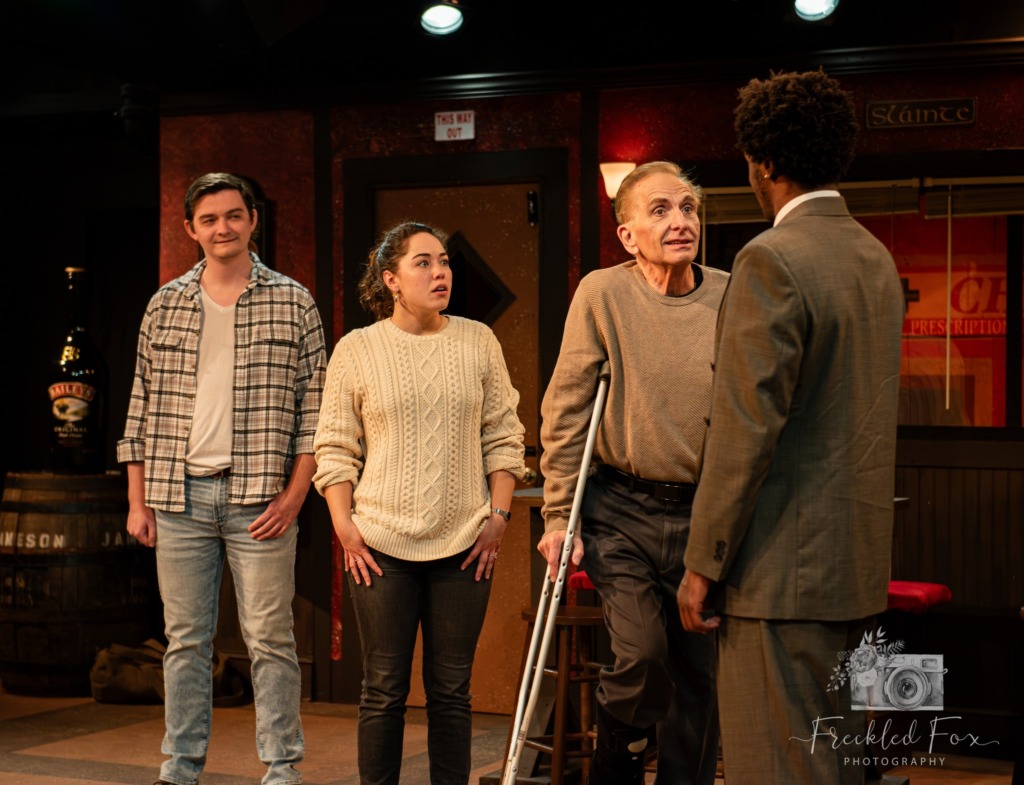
(619, 753)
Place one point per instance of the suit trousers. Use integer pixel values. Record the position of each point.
(776, 709)
(663, 676)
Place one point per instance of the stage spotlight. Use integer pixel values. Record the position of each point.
(814, 10)
(442, 18)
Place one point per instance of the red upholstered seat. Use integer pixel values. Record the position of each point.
(912, 596)
(579, 580)
(917, 596)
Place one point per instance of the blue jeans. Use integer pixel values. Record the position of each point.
(190, 551)
(449, 605)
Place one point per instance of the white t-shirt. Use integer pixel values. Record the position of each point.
(209, 440)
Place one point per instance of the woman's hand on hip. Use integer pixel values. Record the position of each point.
(485, 550)
(358, 558)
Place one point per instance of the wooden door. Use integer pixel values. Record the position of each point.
(494, 254)
(506, 215)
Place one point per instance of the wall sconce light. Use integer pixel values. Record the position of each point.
(614, 174)
(814, 10)
(441, 17)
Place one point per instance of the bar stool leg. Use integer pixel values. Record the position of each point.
(561, 703)
(585, 654)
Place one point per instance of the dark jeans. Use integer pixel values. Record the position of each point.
(663, 676)
(449, 606)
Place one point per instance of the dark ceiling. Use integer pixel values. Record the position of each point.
(75, 55)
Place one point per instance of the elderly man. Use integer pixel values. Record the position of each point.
(652, 319)
(793, 517)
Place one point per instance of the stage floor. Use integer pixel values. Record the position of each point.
(76, 741)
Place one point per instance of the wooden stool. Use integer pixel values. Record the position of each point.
(908, 606)
(580, 581)
(550, 732)
(914, 597)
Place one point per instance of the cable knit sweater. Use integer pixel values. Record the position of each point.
(416, 423)
(659, 350)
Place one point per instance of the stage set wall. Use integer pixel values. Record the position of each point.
(691, 124)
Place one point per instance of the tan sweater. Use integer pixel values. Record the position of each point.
(416, 423)
(660, 350)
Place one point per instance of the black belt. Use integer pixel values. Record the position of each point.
(663, 491)
(215, 476)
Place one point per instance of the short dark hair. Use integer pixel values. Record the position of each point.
(804, 124)
(624, 196)
(374, 295)
(212, 183)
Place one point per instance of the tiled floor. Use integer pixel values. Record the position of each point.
(75, 741)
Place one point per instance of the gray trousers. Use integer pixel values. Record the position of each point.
(662, 676)
(772, 688)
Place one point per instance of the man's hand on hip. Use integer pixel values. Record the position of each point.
(279, 515)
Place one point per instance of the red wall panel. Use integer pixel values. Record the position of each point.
(693, 123)
(502, 124)
(273, 149)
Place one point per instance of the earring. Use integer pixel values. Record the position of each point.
(395, 295)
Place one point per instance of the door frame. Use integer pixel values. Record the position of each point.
(363, 177)
(360, 179)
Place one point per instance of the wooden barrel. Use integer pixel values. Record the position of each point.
(71, 580)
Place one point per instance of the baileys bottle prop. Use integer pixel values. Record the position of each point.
(77, 391)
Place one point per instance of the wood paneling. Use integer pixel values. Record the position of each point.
(963, 528)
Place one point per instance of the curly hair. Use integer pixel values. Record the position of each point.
(374, 295)
(803, 124)
(624, 196)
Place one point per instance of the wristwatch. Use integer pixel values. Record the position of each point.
(503, 513)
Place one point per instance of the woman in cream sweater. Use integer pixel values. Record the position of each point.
(417, 451)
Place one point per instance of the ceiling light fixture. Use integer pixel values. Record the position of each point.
(814, 10)
(443, 17)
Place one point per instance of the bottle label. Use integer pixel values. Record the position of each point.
(71, 400)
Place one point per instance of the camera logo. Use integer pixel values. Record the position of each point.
(881, 676)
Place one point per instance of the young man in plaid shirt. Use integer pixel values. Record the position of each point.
(219, 451)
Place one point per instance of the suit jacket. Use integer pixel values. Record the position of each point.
(793, 514)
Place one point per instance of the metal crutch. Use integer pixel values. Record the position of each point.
(533, 668)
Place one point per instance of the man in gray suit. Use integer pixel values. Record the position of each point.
(789, 549)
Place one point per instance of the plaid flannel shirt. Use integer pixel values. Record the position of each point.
(278, 383)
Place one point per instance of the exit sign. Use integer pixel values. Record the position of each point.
(454, 126)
